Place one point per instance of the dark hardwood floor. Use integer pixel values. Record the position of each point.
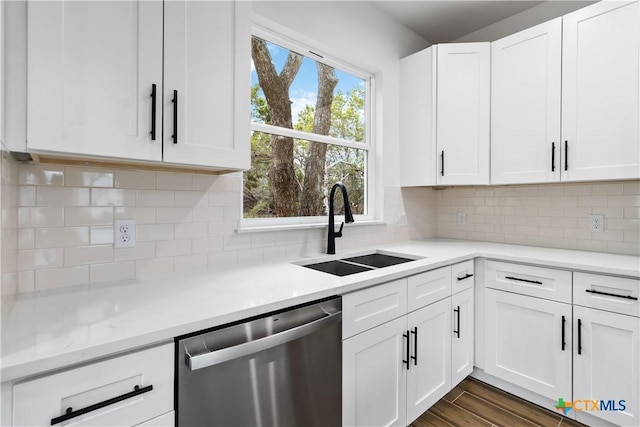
(474, 403)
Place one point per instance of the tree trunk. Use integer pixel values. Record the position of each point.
(282, 178)
(313, 188)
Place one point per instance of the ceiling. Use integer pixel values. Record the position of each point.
(446, 21)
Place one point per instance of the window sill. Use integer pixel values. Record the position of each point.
(288, 227)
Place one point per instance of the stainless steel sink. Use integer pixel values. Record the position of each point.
(358, 264)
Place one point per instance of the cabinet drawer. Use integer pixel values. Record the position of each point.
(426, 288)
(166, 420)
(39, 401)
(371, 307)
(617, 294)
(462, 276)
(539, 282)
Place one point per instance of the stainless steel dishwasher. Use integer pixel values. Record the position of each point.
(284, 369)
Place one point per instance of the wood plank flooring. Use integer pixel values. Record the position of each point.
(474, 403)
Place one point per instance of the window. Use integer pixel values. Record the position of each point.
(309, 129)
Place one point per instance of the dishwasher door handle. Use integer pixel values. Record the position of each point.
(201, 361)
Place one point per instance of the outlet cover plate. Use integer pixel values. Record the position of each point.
(462, 218)
(124, 233)
(596, 223)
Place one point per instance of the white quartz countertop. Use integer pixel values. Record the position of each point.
(47, 331)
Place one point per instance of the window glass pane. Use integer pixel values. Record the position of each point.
(297, 92)
(304, 187)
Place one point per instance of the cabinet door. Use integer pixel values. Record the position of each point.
(374, 378)
(418, 118)
(91, 67)
(462, 337)
(606, 363)
(463, 113)
(429, 375)
(524, 342)
(207, 65)
(600, 92)
(525, 105)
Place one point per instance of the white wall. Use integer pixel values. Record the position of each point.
(525, 19)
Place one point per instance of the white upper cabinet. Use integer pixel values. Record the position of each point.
(600, 92)
(91, 68)
(463, 102)
(207, 65)
(418, 118)
(444, 115)
(525, 105)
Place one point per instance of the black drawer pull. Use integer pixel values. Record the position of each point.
(415, 345)
(70, 413)
(175, 117)
(442, 165)
(466, 276)
(563, 340)
(566, 155)
(408, 350)
(524, 280)
(153, 112)
(612, 295)
(457, 311)
(553, 157)
(579, 336)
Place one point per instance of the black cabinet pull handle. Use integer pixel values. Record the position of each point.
(406, 336)
(579, 336)
(611, 295)
(466, 276)
(175, 117)
(415, 345)
(457, 311)
(523, 280)
(563, 340)
(566, 155)
(153, 112)
(442, 165)
(70, 413)
(553, 157)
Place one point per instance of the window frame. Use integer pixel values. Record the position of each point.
(368, 145)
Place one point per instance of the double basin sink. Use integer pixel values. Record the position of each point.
(358, 264)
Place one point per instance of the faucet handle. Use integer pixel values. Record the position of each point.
(339, 233)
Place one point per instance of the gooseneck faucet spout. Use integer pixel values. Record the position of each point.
(348, 217)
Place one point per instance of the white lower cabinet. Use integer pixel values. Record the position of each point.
(606, 364)
(394, 371)
(125, 391)
(528, 342)
(374, 376)
(462, 340)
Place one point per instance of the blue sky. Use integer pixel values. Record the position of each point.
(303, 90)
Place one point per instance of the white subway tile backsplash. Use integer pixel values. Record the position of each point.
(112, 272)
(191, 230)
(62, 196)
(146, 233)
(154, 268)
(113, 197)
(140, 215)
(61, 237)
(41, 217)
(26, 238)
(88, 177)
(167, 248)
(203, 182)
(155, 198)
(85, 255)
(175, 181)
(222, 259)
(33, 259)
(26, 281)
(101, 235)
(206, 244)
(41, 175)
(27, 195)
(174, 215)
(191, 198)
(142, 180)
(79, 216)
(190, 263)
(61, 277)
(142, 250)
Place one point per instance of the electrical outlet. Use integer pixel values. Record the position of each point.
(596, 223)
(125, 233)
(462, 218)
(402, 219)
